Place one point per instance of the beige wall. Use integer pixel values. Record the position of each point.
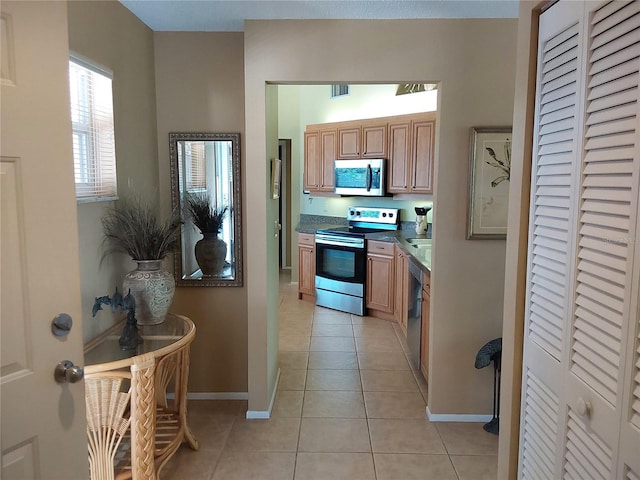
(108, 34)
(199, 86)
(474, 62)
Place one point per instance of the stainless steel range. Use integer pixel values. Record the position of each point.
(341, 258)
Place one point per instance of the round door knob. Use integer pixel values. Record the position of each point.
(67, 372)
(584, 407)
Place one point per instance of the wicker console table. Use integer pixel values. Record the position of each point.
(132, 428)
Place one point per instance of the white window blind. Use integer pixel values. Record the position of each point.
(339, 90)
(94, 152)
(196, 172)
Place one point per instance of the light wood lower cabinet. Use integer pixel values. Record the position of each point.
(306, 266)
(380, 276)
(424, 337)
(401, 288)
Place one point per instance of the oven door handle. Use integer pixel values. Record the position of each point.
(369, 177)
(342, 242)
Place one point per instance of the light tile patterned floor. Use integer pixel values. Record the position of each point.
(348, 407)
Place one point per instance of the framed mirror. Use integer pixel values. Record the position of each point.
(205, 188)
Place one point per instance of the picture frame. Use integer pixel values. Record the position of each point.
(276, 168)
(489, 172)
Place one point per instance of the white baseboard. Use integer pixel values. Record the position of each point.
(265, 414)
(214, 396)
(454, 417)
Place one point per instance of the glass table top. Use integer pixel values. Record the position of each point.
(155, 337)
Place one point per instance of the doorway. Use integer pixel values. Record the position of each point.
(284, 207)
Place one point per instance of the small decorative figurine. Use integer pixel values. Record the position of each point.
(130, 338)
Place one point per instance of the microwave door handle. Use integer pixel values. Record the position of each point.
(369, 177)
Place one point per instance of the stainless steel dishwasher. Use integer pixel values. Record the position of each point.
(414, 313)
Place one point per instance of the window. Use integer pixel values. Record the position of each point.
(339, 90)
(94, 152)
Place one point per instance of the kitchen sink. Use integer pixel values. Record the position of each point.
(419, 242)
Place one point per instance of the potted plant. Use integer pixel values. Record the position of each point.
(133, 227)
(210, 251)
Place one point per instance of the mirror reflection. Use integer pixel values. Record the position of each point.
(205, 184)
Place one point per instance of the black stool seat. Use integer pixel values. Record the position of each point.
(491, 352)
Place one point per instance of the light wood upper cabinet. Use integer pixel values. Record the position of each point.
(349, 142)
(311, 160)
(362, 141)
(328, 157)
(319, 155)
(306, 265)
(423, 134)
(406, 141)
(398, 166)
(411, 155)
(374, 141)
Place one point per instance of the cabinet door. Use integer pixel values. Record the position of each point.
(380, 276)
(349, 142)
(328, 156)
(306, 264)
(398, 167)
(311, 160)
(374, 141)
(307, 270)
(401, 289)
(422, 157)
(424, 335)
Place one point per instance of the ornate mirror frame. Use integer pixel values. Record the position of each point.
(232, 275)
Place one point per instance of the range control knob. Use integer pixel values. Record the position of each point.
(384, 214)
(352, 212)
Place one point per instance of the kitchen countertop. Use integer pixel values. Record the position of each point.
(420, 253)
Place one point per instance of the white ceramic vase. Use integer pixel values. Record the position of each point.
(153, 289)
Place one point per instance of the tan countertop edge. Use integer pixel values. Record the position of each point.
(424, 265)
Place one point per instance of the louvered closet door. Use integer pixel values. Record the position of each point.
(581, 378)
(551, 240)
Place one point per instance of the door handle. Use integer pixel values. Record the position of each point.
(67, 372)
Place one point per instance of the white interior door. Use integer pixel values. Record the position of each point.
(581, 377)
(43, 422)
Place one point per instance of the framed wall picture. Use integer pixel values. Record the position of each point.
(276, 167)
(489, 172)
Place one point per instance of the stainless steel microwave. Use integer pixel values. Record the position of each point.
(364, 177)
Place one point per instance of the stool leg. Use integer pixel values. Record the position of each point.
(493, 426)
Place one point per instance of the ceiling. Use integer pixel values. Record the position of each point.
(229, 15)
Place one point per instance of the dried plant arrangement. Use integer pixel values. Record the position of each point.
(205, 217)
(134, 227)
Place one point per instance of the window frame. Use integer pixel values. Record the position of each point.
(88, 129)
